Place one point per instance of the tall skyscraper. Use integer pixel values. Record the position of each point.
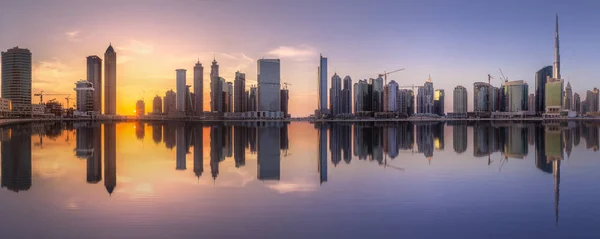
(460, 99)
(170, 102)
(438, 102)
(140, 108)
(229, 97)
(481, 97)
(322, 84)
(516, 94)
(94, 75)
(269, 78)
(239, 91)
(541, 77)
(16, 79)
(391, 97)
(555, 85)
(377, 94)
(85, 96)
(110, 81)
(362, 96)
(216, 89)
(335, 94)
(425, 98)
(568, 101)
(576, 102)
(181, 91)
(531, 103)
(347, 96)
(157, 105)
(198, 88)
(285, 97)
(556, 65)
(591, 100)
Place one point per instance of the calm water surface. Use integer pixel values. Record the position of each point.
(300, 180)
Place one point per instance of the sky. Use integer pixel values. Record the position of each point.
(456, 42)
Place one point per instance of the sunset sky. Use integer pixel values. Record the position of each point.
(457, 42)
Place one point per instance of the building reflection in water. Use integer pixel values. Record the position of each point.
(170, 136)
(198, 150)
(110, 157)
(156, 133)
(140, 130)
(322, 151)
(16, 157)
(516, 142)
(216, 151)
(89, 147)
(181, 149)
(269, 154)
(240, 141)
(459, 137)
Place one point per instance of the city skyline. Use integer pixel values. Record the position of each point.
(143, 73)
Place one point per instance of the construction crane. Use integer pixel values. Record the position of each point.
(286, 85)
(42, 94)
(68, 98)
(385, 74)
(503, 78)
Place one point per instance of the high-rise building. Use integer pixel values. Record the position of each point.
(425, 98)
(438, 102)
(269, 78)
(181, 89)
(140, 108)
(541, 77)
(406, 100)
(568, 101)
(460, 99)
(85, 96)
(16, 79)
(252, 99)
(170, 102)
(94, 75)
(591, 100)
(198, 88)
(576, 103)
(216, 89)
(531, 103)
(347, 96)
(229, 97)
(554, 95)
(556, 65)
(516, 94)
(390, 99)
(157, 105)
(110, 81)
(335, 95)
(481, 97)
(377, 94)
(285, 97)
(322, 84)
(239, 91)
(362, 96)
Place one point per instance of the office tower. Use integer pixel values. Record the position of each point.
(198, 88)
(253, 99)
(568, 101)
(459, 139)
(216, 89)
(438, 102)
(181, 90)
(460, 99)
(198, 150)
(377, 94)
(285, 97)
(239, 91)
(85, 96)
(425, 98)
(556, 65)
(229, 97)
(157, 133)
(269, 155)
(223, 99)
(16, 158)
(481, 97)
(516, 94)
(110, 81)
(531, 103)
(140, 108)
(157, 105)
(322, 84)
(16, 79)
(390, 99)
(541, 77)
(591, 100)
(269, 78)
(576, 103)
(362, 96)
(335, 94)
(322, 152)
(181, 148)
(110, 157)
(554, 95)
(94, 75)
(94, 163)
(347, 96)
(170, 102)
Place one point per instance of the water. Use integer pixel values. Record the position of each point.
(423, 180)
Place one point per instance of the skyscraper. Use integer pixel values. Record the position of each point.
(516, 94)
(460, 99)
(555, 85)
(140, 108)
(438, 102)
(239, 91)
(481, 97)
(157, 105)
(322, 84)
(362, 96)
(556, 65)
(16, 79)
(541, 77)
(285, 97)
(391, 97)
(269, 78)
(94, 75)
(576, 103)
(110, 81)
(181, 90)
(377, 94)
(531, 103)
(568, 101)
(170, 102)
(347, 96)
(85, 96)
(198, 88)
(335, 94)
(229, 97)
(425, 98)
(591, 99)
(216, 102)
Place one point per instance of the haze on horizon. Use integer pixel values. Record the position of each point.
(456, 42)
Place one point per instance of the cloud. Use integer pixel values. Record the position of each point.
(73, 36)
(301, 52)
(283, 187)
(137, 47)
